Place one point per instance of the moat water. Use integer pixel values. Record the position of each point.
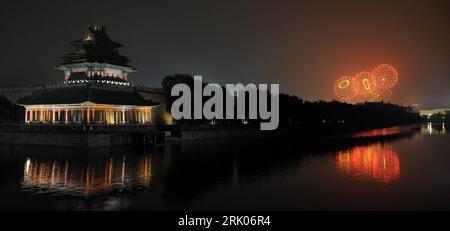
(408, 172)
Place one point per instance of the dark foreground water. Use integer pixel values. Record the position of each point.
(410, 171)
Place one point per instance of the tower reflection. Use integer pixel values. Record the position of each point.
(375, 162)
(89, 178)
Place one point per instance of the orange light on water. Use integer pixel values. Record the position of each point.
(379, 132)
(96, 178)
(374, 162)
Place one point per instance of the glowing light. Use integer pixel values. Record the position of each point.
(374, 162)
(344, 83)
(381, 95)
(27, 167)
(344, 88)
(364, 83)
(385, 76)
(60, 177)
(367, 86)
(379, 132)
(88, 38)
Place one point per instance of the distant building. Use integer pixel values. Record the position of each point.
(95, 89)
(430, 112)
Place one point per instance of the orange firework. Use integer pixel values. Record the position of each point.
(386, 76)
(366, 86)
(381, 95)
(365, 83)
(344, 88)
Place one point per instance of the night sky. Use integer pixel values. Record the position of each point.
(302, 45)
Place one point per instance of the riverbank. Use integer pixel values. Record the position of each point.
(304, 132)
(123, 135)
(79, 135)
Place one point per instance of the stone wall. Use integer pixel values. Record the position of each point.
(14, 93)
(160, 115)
(66, 139)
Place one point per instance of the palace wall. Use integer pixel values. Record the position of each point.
(14, 93)
(79, 136)
(161, 114)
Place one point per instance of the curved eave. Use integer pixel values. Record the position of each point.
(88, 93)
(88, 103)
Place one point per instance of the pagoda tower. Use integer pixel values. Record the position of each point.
(96, 59)
(95, 89)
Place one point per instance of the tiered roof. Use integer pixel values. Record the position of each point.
(96, 47)
(87, 93)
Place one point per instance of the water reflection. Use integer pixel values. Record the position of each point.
(434, 129)
(374, 162)
(65, 177)
(195, 175)
(379, 132)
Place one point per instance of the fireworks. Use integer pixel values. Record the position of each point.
(344, 88)
(367, 86)
(386, 76)
(364, 83)
(381, 95)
